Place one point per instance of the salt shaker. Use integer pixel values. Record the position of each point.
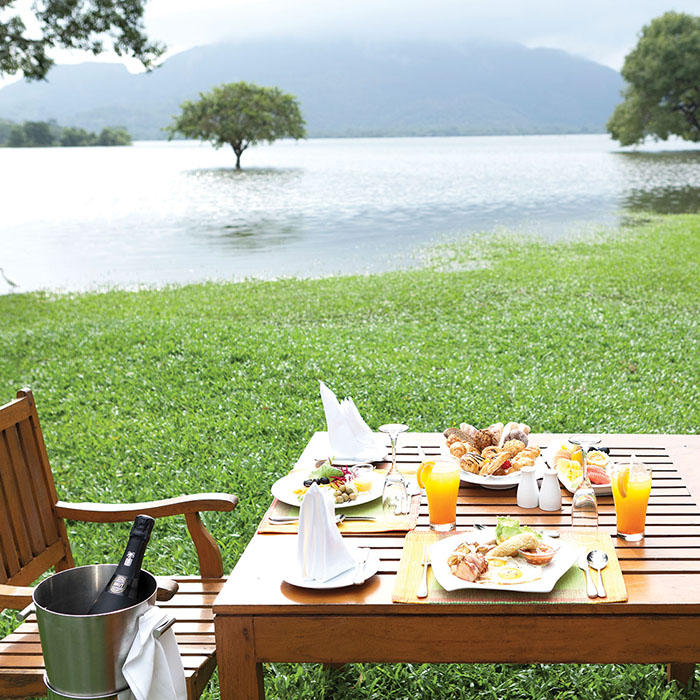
(550, 493)
(528, 493)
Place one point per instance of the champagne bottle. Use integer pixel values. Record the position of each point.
(122, 589)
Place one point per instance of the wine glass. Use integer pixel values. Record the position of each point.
(584, 505)
(395, 493)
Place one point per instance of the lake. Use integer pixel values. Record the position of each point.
(159, 212)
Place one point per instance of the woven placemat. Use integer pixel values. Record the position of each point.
(571, 587)
(403, 523)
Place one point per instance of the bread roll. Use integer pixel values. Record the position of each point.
(525, 540)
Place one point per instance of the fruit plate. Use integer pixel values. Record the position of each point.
(284, 490)
(598, 489)
(497, 483)
(563, 560)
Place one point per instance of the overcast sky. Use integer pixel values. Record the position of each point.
(602, 30)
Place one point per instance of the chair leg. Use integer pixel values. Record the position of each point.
(682, 674)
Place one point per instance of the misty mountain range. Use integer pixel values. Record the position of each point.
(345, 88)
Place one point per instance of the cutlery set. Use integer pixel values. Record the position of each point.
(595, 559)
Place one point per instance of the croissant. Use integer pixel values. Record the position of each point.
(458, 449)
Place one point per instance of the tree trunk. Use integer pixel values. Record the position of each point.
(237, 149)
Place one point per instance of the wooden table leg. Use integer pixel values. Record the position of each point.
(681, 673)
(240, 676)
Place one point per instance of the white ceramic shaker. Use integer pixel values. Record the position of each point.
(528, 493)
(550, 493)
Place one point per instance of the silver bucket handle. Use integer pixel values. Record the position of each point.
(163, 627)
(24, 614)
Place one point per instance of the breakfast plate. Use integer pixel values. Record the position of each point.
(563, 560)
(284, 490)
(292, 573)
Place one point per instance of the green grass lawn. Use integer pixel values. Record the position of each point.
(214, 387)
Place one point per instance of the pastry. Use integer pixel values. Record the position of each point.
(458, 449)
(512, 447)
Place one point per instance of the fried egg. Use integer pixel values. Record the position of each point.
(510, 570)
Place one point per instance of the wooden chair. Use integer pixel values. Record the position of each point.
(33, 539)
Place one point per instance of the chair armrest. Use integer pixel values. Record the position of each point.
(124, 512)
(208, 552)
(15, 597)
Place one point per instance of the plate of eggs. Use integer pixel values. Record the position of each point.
(465, 556)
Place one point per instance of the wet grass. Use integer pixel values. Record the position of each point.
(215, 388)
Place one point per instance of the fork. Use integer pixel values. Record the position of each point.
(423, 586)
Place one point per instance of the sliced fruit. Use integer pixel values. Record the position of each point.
(577, 455)
(622, 481)
(423, 470)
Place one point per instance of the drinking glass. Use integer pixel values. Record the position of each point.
(395, 493)
(584, 505)
(442, 485)
(631, 486)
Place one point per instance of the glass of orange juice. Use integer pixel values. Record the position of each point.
(441, 482)
(631, 485)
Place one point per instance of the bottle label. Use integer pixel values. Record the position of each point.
(118, 585)
(129, 558)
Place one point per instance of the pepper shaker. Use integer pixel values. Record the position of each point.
(528, 493)
(550, 493)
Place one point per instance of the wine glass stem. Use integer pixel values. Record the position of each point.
(584, 456)
(393, 439)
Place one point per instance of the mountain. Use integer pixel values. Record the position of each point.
(345, 88)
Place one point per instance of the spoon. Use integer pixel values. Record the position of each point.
(598, 560)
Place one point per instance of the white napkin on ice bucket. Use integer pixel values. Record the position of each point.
(321, 552)
(153, 669)
(349, 437)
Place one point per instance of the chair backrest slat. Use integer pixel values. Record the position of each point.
(32, 537)
(14, 502)
(42, 490)
(9, 560)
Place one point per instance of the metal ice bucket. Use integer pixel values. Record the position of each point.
(84, 654)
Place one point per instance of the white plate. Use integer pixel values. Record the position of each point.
(563, 560)
(548, 454)
(283, 490)
(292, 573)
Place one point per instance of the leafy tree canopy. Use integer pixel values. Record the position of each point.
(240, 115)
(663, 76)
(89, 25)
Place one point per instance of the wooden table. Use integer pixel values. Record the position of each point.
(259, 618)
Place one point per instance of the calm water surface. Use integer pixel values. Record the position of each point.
(178, 212)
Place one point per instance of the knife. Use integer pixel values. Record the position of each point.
(360, 574)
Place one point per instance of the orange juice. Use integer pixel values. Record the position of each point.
(441, 482)
(631, 486)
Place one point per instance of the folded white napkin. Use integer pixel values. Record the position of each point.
(153, 669)
(321, 552)
(349, 437)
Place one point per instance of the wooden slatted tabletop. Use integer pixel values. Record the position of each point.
(259, 618)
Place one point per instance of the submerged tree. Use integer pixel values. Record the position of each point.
(72, 24)
(663, 76)
(240, 115)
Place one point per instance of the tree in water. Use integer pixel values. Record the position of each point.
(240, 115)
(663, 75)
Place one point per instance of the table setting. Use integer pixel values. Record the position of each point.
(475, 564)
